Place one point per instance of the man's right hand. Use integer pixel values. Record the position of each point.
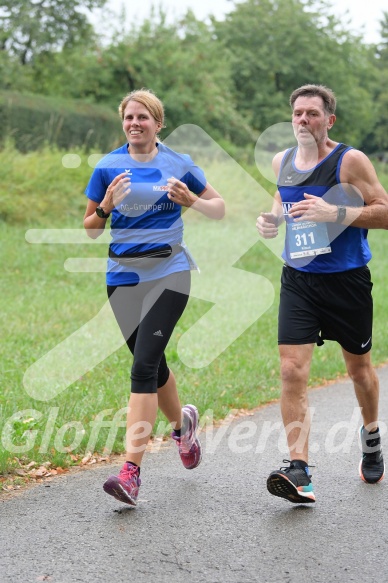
(267, 225)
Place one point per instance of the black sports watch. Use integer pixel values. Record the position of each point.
(101, 213)
(341, 213)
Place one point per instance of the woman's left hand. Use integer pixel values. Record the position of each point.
(178, 192)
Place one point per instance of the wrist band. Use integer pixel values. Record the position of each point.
(341, 214)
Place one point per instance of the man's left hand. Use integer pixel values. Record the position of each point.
(313, 208)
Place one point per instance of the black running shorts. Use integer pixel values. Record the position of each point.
(326, 306)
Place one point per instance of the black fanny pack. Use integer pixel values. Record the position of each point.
(146, 258)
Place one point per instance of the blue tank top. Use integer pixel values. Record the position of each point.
(321, 247)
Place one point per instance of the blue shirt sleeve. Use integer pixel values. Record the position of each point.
(97, 186)
(194, 177)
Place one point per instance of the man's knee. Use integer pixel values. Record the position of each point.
(293, 370)
(362, 373)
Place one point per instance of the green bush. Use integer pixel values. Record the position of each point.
(33, 121)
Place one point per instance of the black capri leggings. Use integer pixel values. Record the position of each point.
(147, 314)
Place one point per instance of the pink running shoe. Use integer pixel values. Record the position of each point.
(189, 446)
(125, 486)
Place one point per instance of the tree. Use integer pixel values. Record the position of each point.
(233, 77)
(185, 67)
(29, 27)
(275, 46)
(380, 134)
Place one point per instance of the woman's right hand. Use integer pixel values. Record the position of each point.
(267, 225)
(117, 190)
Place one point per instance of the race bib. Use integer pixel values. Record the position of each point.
(307, 238)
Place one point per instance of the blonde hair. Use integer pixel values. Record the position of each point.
(150, 101)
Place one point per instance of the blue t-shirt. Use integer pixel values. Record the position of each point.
(146, 218)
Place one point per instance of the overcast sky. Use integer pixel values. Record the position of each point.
(363, 16)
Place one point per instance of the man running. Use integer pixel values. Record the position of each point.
(329, 195)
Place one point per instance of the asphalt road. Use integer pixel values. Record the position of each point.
(214, 524)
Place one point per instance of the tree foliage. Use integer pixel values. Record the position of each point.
(232, 77)
(185, 67)
(32, 26)
(277, 46)
(378, 138)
